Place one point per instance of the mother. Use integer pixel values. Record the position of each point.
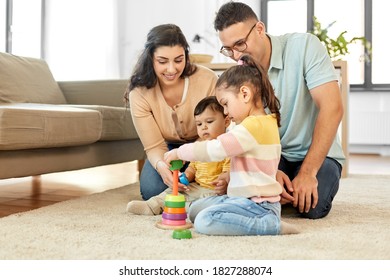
(163, 92)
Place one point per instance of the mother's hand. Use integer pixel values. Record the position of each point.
(167, 177)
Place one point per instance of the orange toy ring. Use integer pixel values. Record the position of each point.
(170, 210)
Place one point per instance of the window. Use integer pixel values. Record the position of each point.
(86, 46)
(353, 23)
(80, 39)
(380, 27)
(21, 27)
(293, 14)
(366, 18)
(3, 25)
(26, 28)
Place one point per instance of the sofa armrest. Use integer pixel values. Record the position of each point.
(99, 92)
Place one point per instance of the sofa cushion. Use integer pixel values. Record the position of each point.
(27, 126)
(117, 122)
(27, 80)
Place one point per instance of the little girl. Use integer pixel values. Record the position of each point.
(251, 206)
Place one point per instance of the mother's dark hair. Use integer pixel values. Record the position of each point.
(161, 35)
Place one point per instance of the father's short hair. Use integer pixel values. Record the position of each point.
(231, 13)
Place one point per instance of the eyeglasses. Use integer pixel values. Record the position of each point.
(239, 46)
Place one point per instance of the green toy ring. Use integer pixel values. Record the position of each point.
(182, 234)
(176, 164)
(173, 204)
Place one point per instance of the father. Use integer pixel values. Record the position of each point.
(306, 84)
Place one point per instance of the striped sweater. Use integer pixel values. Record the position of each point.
(254, 150)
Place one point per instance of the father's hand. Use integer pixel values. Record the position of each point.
(305, 192)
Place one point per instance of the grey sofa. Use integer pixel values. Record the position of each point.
(48, 126)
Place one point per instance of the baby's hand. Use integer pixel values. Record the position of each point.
(221, 184)
(170, 156)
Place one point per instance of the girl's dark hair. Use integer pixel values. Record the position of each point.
(248, 72)
(231, 13)
(208, 102)
(162, 35)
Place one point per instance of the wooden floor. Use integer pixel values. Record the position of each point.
(19, 195)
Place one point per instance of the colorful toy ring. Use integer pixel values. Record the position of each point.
(182, 234)
(173, 222)
(168, 216)
(174, 204)
(176, 164)
(183, 179)
(170, 210)
(175, 198)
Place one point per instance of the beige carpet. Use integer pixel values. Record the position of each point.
(97, 227)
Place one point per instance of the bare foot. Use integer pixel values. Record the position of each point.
(286, 228)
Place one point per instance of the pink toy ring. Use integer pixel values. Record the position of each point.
(173, 222)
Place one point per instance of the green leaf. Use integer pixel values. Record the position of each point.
(338, 47)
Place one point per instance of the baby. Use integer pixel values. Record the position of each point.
(206, 178)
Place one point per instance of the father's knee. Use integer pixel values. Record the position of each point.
(320, 211)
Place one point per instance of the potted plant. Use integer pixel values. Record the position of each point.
(338, 47)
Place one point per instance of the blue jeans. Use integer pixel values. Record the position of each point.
(151, 183)
(328, 178)
(223, 215)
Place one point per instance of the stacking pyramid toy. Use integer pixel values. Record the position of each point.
(174, 215)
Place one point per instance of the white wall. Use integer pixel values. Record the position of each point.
(97, 39)
(369, 122)
(136, 18)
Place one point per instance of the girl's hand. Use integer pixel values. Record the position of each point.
(284, 181)
(170, 156)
